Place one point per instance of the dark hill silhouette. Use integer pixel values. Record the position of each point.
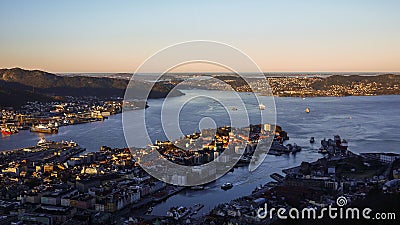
(384, 79)
(19, 85)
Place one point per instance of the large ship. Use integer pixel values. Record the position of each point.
(44, 129)
(5, 131)
(8, 131)
(178, 212)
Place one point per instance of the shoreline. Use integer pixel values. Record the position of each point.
(286, 96)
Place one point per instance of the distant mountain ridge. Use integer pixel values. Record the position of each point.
(43, 80)
(18, 84)
(384, 79)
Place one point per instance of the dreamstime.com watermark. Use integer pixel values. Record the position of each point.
(330, 212)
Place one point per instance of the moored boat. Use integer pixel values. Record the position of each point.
(322, 150)
(226, 186)
(149, 210)
(197, 187)
(279, 147)
(44, 129)
(344, 145)
(41, 141)
(8, 131)
(178, 212)
(296, 148)
(196, 208)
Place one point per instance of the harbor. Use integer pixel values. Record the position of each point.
(48, 117)
(360, 137)
(315, 185)
(200, 113)
(110, 182)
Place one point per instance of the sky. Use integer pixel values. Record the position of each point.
(118, 36)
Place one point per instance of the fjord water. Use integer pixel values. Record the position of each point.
(369, 123)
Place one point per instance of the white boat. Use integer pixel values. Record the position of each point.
(197, 187)
(149, 210)
(226, 186)
(49, 129)
(344, 145)
(261, 106)
(42, 141)
(177, 212)
(322, 150)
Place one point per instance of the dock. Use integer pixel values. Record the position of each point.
(277, 177)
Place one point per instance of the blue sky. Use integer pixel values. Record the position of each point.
(117, 36)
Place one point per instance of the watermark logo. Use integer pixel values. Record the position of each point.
(341, 201)
(176, 117)
(330, 212)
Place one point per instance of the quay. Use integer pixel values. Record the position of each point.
(358, 177)
(277, 177)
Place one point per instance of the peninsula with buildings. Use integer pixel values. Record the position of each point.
(300, 86)
(19, 86)
(286, 84)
